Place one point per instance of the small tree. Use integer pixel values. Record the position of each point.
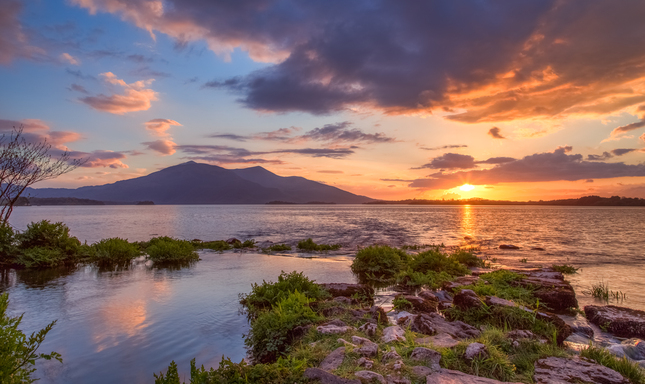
(23, 163)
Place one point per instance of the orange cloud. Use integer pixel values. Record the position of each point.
(136, 96)
(164, 147)
(35, 130)
(159, 126)
(67, 58)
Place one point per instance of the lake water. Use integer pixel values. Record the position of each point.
(122, 326)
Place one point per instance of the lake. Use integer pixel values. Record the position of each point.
(124, 325)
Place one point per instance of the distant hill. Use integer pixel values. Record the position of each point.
(586, 201)
(195, 183)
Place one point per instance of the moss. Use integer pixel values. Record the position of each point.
(500, 283)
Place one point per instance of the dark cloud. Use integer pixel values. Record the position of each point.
(607, 155)
(551, 166)
(229, 159)
(341, 133)
(450, 161)
(79, 74)
(78, 88)
(229, 136)
(589, 181)
(148, 72)
(622, 151)
(495, 133)
(617, 133)
(445, 147)
(333, 153)
(496, 160)
(398, 180)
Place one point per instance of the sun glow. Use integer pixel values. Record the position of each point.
(467, 187)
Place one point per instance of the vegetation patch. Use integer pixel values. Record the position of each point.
(565, 269)
(416, 280)
(114, 250)
(218, 245)
(168, 250)
(467, 258)
(379, 264)
(601, 291)
(624, 366)
(309, 246)
(276, 248)
(500, 283)
(401, 304)
(434, 260)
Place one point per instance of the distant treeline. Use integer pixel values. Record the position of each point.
(24, 201)
(278, 202)
(593, 201)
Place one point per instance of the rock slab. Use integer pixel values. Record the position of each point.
(448, 376)
(326, 377)
(369, 377)
(560, 370)
(622, 322)
(333, 360)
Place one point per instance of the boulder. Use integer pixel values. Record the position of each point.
(580, 325)
(576, 370)
(476, 351)
(367, 348)
(620, 321)
(392, 355)
(508, 246)
(326, 377)
(347, 290)
(420, 304)
(459, 282)
(427, 355)
(404, 318)
(365, 362)
(551, 288)
(422, 324)
(456, 329)
(370, 377)
(393, 333)
(448, 376)
(442, 340)
(333, 360)
(368, 328)
(467, 299)
(428, 295)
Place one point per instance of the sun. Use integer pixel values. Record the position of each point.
(467, 187)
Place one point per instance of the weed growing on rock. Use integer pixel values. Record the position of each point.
(467, 258)
(624, 366)
(309, 246)
(500, 283)
(401, 304)
(565, 268)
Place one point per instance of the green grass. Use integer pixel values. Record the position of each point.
(601, 291)
(168, 250)
(624, 366)
(500, 283)
(401, 304)
(114, 250)
(310, 246)
(434, 260)
(565, 268)
(378, 264)
(264, 296)
(276, 248)
(416, 280)
(244, 244)
(218, 245)
(467, 258)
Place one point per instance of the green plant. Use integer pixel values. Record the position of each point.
(501, 283)
(245, 244)
(524, 260)
(624, 366)
(565, 268)
(18, 352)
(310, 246)
(41, 257)
(271, 333)
(276, 248)
(401, 304)
(218, 245)
(166, 249)
(48, 235)
(467, 258)
(8, 244)
(378, 263)
(431, 279)
(434, 260)
(265, 295)
(601, 291)
(114, 250)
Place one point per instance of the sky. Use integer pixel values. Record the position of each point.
(530, 100)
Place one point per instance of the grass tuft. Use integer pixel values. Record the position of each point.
(565, 268)
(624, 366)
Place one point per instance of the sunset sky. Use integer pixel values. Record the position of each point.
(524, 100)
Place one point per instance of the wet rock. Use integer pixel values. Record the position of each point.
(369, 377)
(367, 348)
(232, 240)
(348, 290)
(368, 328)
(427, 355)
(634, 348)
(579, 325)
(448, 376)
(344, 300)
(423, 324)
(456, 329)
(576, 370)
(558, 295)
(476, 351)
(421, 371)
(392, 355)
(326, 377)
(365, 362)
(459, 282)
(508, 246)
(393, 333)
(377, 313)
(620, 321)
(537, 249)
(442, 340)
(466, 299)
(420, 304)
(333, 360)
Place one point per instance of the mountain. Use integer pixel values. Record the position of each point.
(195, 183)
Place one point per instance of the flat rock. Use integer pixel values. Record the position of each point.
(347, 290)
(369, 377)
(580, 325)
(393, 333)
(448, 376)
(420, 304)
(459, 282)
(333, 360)
(576, 370)
(326, 377)
(333, 329)
(441, 340)
(427, 355)
(620, 321)
(367, 348)
(456, 329)
(551, 288)
(475, 351)
(466, 299)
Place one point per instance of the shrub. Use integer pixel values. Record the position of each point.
(378, 263)
(467, 259)
(8, 247)
(270, 335)
(430, 279)
(624, 366)
(433, 260)
(17, 351)
(309, 245)
(218, 245)
(167, 250)
(266, 295)
(276, 248)
(401, 304)
(48, 235)
(565, 268)
(41, 257)
(115, 250)
(246, 244)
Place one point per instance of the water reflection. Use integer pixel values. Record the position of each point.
(467, 223)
